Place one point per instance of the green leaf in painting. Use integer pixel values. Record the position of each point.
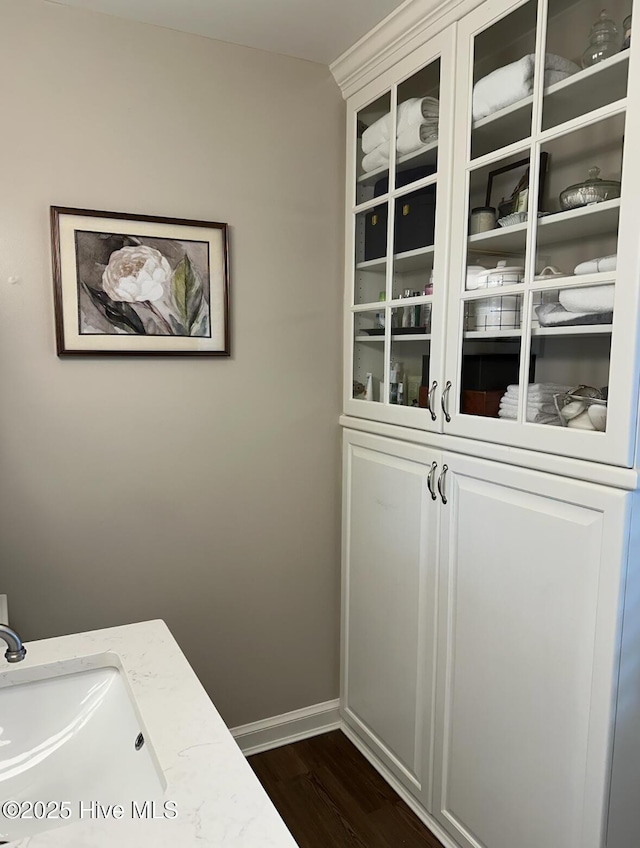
(120, 314)
(187, 292)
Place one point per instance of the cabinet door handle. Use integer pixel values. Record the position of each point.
(430, 399)
(445, 468)
(444, 400)
(434, 465)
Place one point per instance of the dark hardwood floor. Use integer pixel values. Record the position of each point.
(330, 797)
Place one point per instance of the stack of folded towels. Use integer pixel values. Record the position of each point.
(417, 126)
(584, 305)
(514, 82)
(540, 406)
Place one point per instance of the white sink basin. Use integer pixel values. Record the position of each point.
(70, 738)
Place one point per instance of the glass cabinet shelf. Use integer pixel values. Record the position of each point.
(596, 329)
(428, 155)
(581, 223)
(413, 337)
(407, 261)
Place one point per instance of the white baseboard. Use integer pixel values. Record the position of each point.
(289, 727)
(311, 721)
(394, 783)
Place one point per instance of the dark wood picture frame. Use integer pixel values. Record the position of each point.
(514, 166)
(130, 284)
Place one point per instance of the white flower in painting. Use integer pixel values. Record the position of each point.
(136, 274)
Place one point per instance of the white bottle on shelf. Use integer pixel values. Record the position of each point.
(368, 391)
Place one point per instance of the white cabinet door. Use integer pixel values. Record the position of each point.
(397, 239)
(530, 593)
(520, 327)
(390, 546)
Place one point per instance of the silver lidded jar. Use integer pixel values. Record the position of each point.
(592, 190)
(604, 41)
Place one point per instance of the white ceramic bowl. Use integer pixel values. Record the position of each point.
(501, 275)
(514, 218)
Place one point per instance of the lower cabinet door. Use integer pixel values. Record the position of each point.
(389, 556)
(531, 574)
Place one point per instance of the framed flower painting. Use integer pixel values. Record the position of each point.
(133, 284)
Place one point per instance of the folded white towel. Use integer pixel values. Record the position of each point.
(555, 315)
(593, 266)
(503, 87)
(538, 390)
(533, 417)
(414, 137)
(552, 77)
(553, 62)
(588, 299)
(378, 158)
(532, 409)
(412, 111)
(514, 82)
(532, 400)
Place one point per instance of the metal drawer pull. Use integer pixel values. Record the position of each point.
(445, 468)
(444, 401)
(430, 398)
(434, 465)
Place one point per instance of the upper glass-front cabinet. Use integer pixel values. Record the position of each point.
(495, 269)
(542, 309)
(399, 214)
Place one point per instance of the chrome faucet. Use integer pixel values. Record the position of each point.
(16, 651)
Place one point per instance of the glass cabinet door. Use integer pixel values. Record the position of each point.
(402, 156)
(534, 301)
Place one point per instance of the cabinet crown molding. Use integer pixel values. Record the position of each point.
(412, 23)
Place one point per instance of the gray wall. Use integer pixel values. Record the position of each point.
(201, 491)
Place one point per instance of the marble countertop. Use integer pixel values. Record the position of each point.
(219, 800)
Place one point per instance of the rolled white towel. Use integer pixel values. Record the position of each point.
(412, 111)
(378, 158)
(417, 110)
(376, 134)
(514, 82)
(588, 299)
(593, 266)
(414, 137)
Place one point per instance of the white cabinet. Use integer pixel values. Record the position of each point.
(397, 237)
(490, 652)
(524, 156)
(531, 577)
(416, 315)
(482, 640)
(390, 546)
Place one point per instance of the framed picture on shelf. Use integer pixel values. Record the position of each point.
(136, 284)
(508, 187)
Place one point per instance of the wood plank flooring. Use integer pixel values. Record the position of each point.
(330, 797)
